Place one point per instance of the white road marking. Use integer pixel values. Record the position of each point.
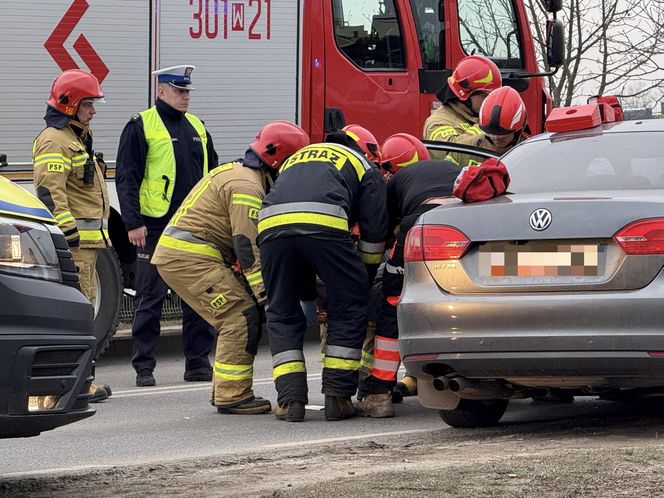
(151, 391)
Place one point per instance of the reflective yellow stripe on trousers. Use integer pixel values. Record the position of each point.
(227, 371)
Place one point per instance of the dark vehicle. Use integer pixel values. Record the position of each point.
(46, 341)
(555, 288)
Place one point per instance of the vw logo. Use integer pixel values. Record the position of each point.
(540, 219)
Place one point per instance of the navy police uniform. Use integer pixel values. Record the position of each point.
(193, 154)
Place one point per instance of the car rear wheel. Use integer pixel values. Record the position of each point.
(108, 300)
(475, 413)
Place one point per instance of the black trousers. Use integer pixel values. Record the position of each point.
(198, 337)
(288, 265)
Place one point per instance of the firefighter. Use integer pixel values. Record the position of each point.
(163, 152)
(214, 228)
(503, 119)
(413, 190)
(70, 182)
(304, 231)
(456, 118)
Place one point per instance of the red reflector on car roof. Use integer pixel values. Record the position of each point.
(573, 118)
(642, 237)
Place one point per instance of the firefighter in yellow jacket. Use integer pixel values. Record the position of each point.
(68, 179)
(215, 228)
(456, 119)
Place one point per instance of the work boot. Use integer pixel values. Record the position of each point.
(202, 374)
(397, 397)
(251, 406)
(375, 406)
(407, 386)
(292, 412)
(99, 393)
(338, 407)
(144, 378)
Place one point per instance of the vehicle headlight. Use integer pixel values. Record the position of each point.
(26, 249)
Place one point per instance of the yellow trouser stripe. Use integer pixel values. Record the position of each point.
(340, 363)
(288, 368)
(233, 372)
(371, 258)
(255, 278)
(367, 359)
(92, 235)
(308, 218)
(183, 245)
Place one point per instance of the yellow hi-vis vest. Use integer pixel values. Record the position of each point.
(159, 179)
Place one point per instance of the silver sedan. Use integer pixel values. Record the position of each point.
(556, 288)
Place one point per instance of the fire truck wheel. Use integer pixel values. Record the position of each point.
(108, 300)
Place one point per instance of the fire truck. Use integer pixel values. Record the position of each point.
(319, 63)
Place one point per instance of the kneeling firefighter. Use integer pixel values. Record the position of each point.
(412, 191)
(304, 231)
(213, 229)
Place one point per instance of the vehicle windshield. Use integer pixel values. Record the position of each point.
(609, 161)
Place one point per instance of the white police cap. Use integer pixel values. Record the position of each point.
(177, 76)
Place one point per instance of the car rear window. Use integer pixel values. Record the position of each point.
(610, 161)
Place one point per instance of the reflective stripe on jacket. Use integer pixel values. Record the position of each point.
(217, 221)
(156, 189)
(78, 202)
(324, 189)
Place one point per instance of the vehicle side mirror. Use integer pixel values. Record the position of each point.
(553, 5)
(555, 43)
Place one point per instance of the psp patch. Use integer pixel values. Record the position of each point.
(55, 168)
(218, 301)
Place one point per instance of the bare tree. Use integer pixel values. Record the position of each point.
(613, 47)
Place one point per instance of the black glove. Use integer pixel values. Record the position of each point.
(261, 311)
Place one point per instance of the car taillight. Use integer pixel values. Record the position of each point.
(435, 242)
(642, 237)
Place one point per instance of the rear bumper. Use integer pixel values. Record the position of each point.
(603, 339)
(46, 349)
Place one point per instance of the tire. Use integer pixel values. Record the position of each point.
(108, 300)
(475, 413)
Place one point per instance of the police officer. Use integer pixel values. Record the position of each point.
(415, 188)
(214, 228)
(456, 119)
(68, 179)
(321, 191)
(163, 152)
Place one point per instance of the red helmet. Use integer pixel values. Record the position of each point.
(365, 139)
(71, 87)
(278, 140)
(502, 112)
(474, 73)
(400, 150)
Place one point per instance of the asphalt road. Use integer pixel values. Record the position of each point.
(174, 420)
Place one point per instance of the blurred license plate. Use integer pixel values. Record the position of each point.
(540, 260)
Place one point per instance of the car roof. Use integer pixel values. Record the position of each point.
(635, 126)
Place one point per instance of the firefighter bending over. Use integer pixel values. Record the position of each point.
(412, 191)
(215, 227)
(304, 230)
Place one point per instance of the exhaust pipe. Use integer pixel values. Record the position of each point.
(441, 383)
(480, 389)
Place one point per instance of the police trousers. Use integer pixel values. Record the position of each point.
(151, 290)
(289, 264)
(220, 296)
